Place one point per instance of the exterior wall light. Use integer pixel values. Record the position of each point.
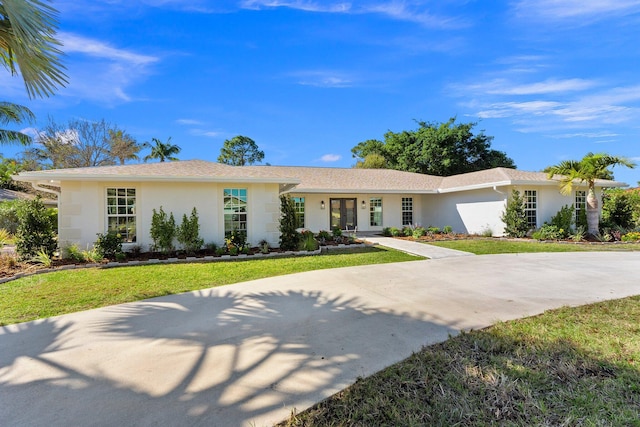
(322, 204)
(364, 204)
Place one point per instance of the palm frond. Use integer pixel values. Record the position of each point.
(27, 38)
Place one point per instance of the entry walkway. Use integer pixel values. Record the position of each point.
(408, 246)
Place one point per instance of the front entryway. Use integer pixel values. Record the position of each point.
(344, 213)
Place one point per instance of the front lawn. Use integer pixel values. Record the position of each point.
(572, 366)
(61, 292)
(502, 246)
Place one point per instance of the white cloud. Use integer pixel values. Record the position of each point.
(308, 6)
(580, 9)
(101, 72)
(328, 158)
(188, 122)
(321, 78)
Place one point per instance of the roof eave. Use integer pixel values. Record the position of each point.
(141, 178)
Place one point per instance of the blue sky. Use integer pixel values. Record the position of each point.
(309, 79)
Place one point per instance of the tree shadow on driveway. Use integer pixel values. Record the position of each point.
(213, 357)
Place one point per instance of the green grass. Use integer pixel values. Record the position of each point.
(52, 294)
(573, 366)
(498, 246)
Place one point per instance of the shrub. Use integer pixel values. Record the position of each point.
(563, 220)
(486, 232)
(632, 236)
(73, 253)
(336, 232)
(579, 234)
(5, 237)
(9, 215)
(308, 242)
(418, 232)
(323, 236)
(618, 208)
(514, 217)
(8, 261)
(237, 239)
(447, 229)
(395, 232)
(263, 245)
(35, 232)
(163, 231)
(211, 247)
(289, 236)
(433, 230)
(43, 258)
(386, 232)
(109, 245)
(188, 233)
(407, 231)
(548, 232)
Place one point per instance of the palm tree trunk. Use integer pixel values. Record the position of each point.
(593, 213)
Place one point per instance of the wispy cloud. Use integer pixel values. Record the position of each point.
(554, 10)
(329, 158)
(189, 122)
(549, 86)
(412, 11)
(101, 72)
(323, 78)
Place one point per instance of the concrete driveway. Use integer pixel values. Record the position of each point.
(248, 354)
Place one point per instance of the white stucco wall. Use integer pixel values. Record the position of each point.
(82, 211)
(317, 219)
(476, 211)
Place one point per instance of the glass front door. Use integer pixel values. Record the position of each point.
(343, 214)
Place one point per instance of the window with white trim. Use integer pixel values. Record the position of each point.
(235, 210)
(531, 207)
(407, 210)
(298, 204)
(121, 213)
(375, 212)
(580, 204)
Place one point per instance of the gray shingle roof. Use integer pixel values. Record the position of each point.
(300, 179)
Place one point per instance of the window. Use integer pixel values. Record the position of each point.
(235, 210)
(121, 212)
(298, 203)
(375, 212)
(580, 204)
(407, 210)
(531, 207)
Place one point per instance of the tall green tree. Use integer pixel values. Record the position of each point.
(14, 114)
(240, 151)
(122, 146)
(591, 168)
(28, 43)
(161, 150)
(441, 149)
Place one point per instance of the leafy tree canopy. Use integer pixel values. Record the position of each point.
(161, 150)
(441, 149)
(240, 151)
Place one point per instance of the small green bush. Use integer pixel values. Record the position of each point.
(263, 246)
(308, 242)
(548, 232)
(632, 236)
(386, 232)
(163, 231)
(418, 232)
(289, 236)
(9, 215)
(563, 220)
(433, 230)
(323, 236)
(73, 253)
(237, 239)
(109, 245)
(336, 232)
(407, 231)
(514, 217)
(579, 233)
(447, 229)
(188, 233)
(35, 232)
(395, 231)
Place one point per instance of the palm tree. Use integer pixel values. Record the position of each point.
(161, 150)
(27, 43)
(123, 146)
(588, 170)
(14, 114)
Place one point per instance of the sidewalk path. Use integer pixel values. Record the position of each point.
(416, 248)
(247, 354)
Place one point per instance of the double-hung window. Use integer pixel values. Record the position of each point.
(298, 203)
(580, 204)
(121, 213)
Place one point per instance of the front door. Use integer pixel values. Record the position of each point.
(343, 214)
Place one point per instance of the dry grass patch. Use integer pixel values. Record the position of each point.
(573, 367)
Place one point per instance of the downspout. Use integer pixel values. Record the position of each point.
(36, 186)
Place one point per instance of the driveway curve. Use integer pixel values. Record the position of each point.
(247, 354)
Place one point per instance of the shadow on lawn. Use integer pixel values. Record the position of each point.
(212, 357)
